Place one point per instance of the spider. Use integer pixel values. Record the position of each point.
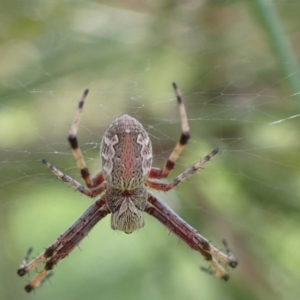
(122, 186)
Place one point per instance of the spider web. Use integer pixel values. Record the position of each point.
(237, 69)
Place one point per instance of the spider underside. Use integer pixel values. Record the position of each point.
(122, 186)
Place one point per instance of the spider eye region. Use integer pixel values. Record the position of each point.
(126, 154)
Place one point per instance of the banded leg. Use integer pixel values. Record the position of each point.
(64, 244)
(161, 186)
(75, 184)
(190, 236)
(72, 138)
(185, 135)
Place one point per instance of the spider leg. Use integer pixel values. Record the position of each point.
(230, 255)
(98, 179)
(190, 236)
(72, 138)
(71, 182)
(161, 186)
(185, 135)
(64, 244)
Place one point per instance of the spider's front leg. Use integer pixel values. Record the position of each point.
(191, 237)
(185, 135)
(72, 138)
(64, 244)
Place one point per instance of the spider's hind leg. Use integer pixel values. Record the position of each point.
(64, 244)
(191, 237)
(229, 260)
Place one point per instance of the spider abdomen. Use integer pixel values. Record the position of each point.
(127, 208)
(126, 154)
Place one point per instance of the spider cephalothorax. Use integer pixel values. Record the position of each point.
(122, 186)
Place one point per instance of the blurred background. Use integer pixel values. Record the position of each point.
(236, 63)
